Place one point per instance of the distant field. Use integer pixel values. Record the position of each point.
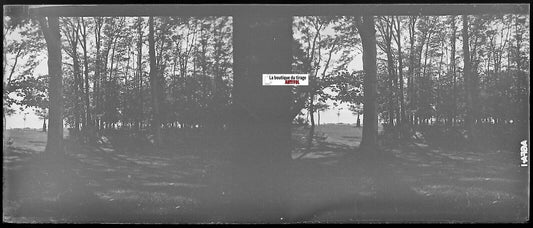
(349, 135)
(35, 139)
(27, 139)
(345, 134)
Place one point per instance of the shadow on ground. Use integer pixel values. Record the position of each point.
(332, 183)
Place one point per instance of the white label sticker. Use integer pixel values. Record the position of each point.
(285, 79)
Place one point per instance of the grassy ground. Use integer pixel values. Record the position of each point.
(332, 183)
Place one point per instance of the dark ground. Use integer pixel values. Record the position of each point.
(414, 182)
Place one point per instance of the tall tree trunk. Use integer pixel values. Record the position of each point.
(154, 82)
(140, 73)
(97, 62)
(453, 118)
(438, 92)
(385, 28)
(104, 84)
(469, 120)
(261, 44)
(400, 69)
(412, 66)
(81, 83)
(109, 85)
(86, 71)
(423, 82)
(312, 85)
(50, 28)
(391, 83)
(126, 118)
(418, 82)
(77, 76)
(370, 127)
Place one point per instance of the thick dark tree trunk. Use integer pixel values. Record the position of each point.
(370, 127)
(260, 120)
(50, 28)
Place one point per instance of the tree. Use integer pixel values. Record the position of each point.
(50, 28)
(467, 74)
(23, 44)
(365, 26)
(386, 32)
(154, 82)
(453, 72)
(349, 89)
(411, 90)
(260, 44)
(314, 45)
(356, 110)
(97, 85)
(398, 38)
(70, 31)
(83, 42)
(139, 73)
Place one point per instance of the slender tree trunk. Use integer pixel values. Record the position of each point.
(44, 124)
(318, 115)
(104, 84)
(410, 80)
(425, 81)
(86, 71)
(126, 118)
(311, 114)
(400, 70)
(154, 82)
(96, 82)
(50, 28)
(370, 127)
(469, 120)
(438, 92)
(454, 75)
(77, 76)
(87, 123)
(358, 119)
(140, 115)
(81, 84)
(391, 83)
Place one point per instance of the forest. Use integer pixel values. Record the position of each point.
(168, 84)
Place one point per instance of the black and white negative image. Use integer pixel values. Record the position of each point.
(163, 114)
